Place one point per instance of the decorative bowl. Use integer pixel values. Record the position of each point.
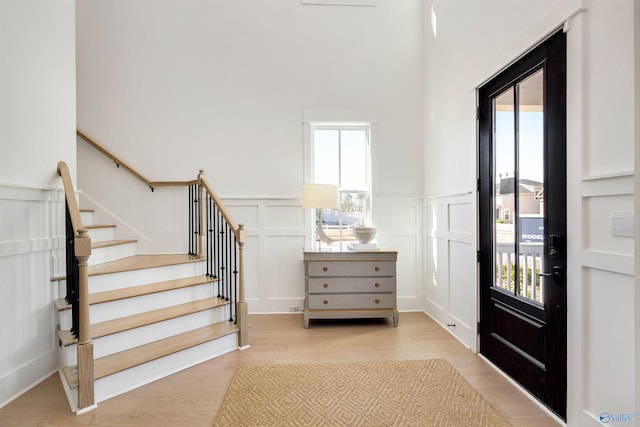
(364, 234)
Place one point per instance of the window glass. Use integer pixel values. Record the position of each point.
(340, 156)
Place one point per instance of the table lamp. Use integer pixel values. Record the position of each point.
(320, 196)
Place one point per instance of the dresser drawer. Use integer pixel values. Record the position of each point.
(351, 268)
(356, 284)
(351, 301)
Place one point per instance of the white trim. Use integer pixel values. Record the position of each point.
(340, 116)
(607, 261)
(22, 247)
(564, 24)
(368, 3)
(636, 7)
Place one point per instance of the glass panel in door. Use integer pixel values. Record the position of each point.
(504, 175)
(531, 185)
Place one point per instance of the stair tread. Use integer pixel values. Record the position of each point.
(117, 362)
(121, 324)
(66, 338)
(111, 243)
(95, 226)
(139, 262)
(154, 316)
(134, 291)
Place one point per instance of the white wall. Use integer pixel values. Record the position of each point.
(37, 129)
(474, 41)
(174, 86)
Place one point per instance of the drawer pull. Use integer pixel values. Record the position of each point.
(377, 301)
(377, 268)
(325, 302)
(325, 268)
(326, 285)
(377, 285)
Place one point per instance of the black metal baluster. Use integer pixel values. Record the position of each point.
(208, 198)
(223, 259)
(196, 220)
(72, 279)
(234, 304)
(229, 272)
(190, 206)
(217, 256)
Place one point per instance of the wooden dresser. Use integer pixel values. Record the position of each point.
(341, 285)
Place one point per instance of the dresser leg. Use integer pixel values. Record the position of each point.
(395, 319)
(306, 321)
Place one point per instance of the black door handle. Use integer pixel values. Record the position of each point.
(556, 274)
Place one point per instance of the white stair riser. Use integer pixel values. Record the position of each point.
(111, 253)
(102, 234)
(104, 346)
(64, 320)
(60, 289)
(135, 305)
(125, 279)
(130, 306)
(121, 382)
(69, 355)
(87, 218)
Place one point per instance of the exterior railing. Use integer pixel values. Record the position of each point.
(530, 264)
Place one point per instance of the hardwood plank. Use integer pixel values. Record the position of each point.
(133, 291)
(276, 338)
(147, 318)
(66, 338)
(110, 243)
(136, 356)
(98, 226)
(139, 262)
(126, 323)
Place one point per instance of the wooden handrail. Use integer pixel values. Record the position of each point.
(238, 230)
(223, 210)
(67, 184)
(125, 166)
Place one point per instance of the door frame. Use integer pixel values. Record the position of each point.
(554, 83)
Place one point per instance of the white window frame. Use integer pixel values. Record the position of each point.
(324, 119)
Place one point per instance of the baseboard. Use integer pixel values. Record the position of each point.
(18, 382)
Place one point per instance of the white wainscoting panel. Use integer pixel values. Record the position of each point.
(609, 342)
(609, 330)
(31, 253)
(451, 289)
(399, 223)
(276, 240)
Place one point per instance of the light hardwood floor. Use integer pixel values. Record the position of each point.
(193, 396)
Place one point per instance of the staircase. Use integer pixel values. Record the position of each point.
(150, 316)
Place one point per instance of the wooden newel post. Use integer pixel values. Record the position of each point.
(243, 317)
(202, 209)
(85, 346)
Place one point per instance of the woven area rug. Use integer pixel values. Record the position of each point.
(389, 393)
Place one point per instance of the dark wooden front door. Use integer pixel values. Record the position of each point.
(522, 228)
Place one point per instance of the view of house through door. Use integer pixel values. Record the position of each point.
(522, 228)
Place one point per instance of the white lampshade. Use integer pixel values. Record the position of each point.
(320, 196)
